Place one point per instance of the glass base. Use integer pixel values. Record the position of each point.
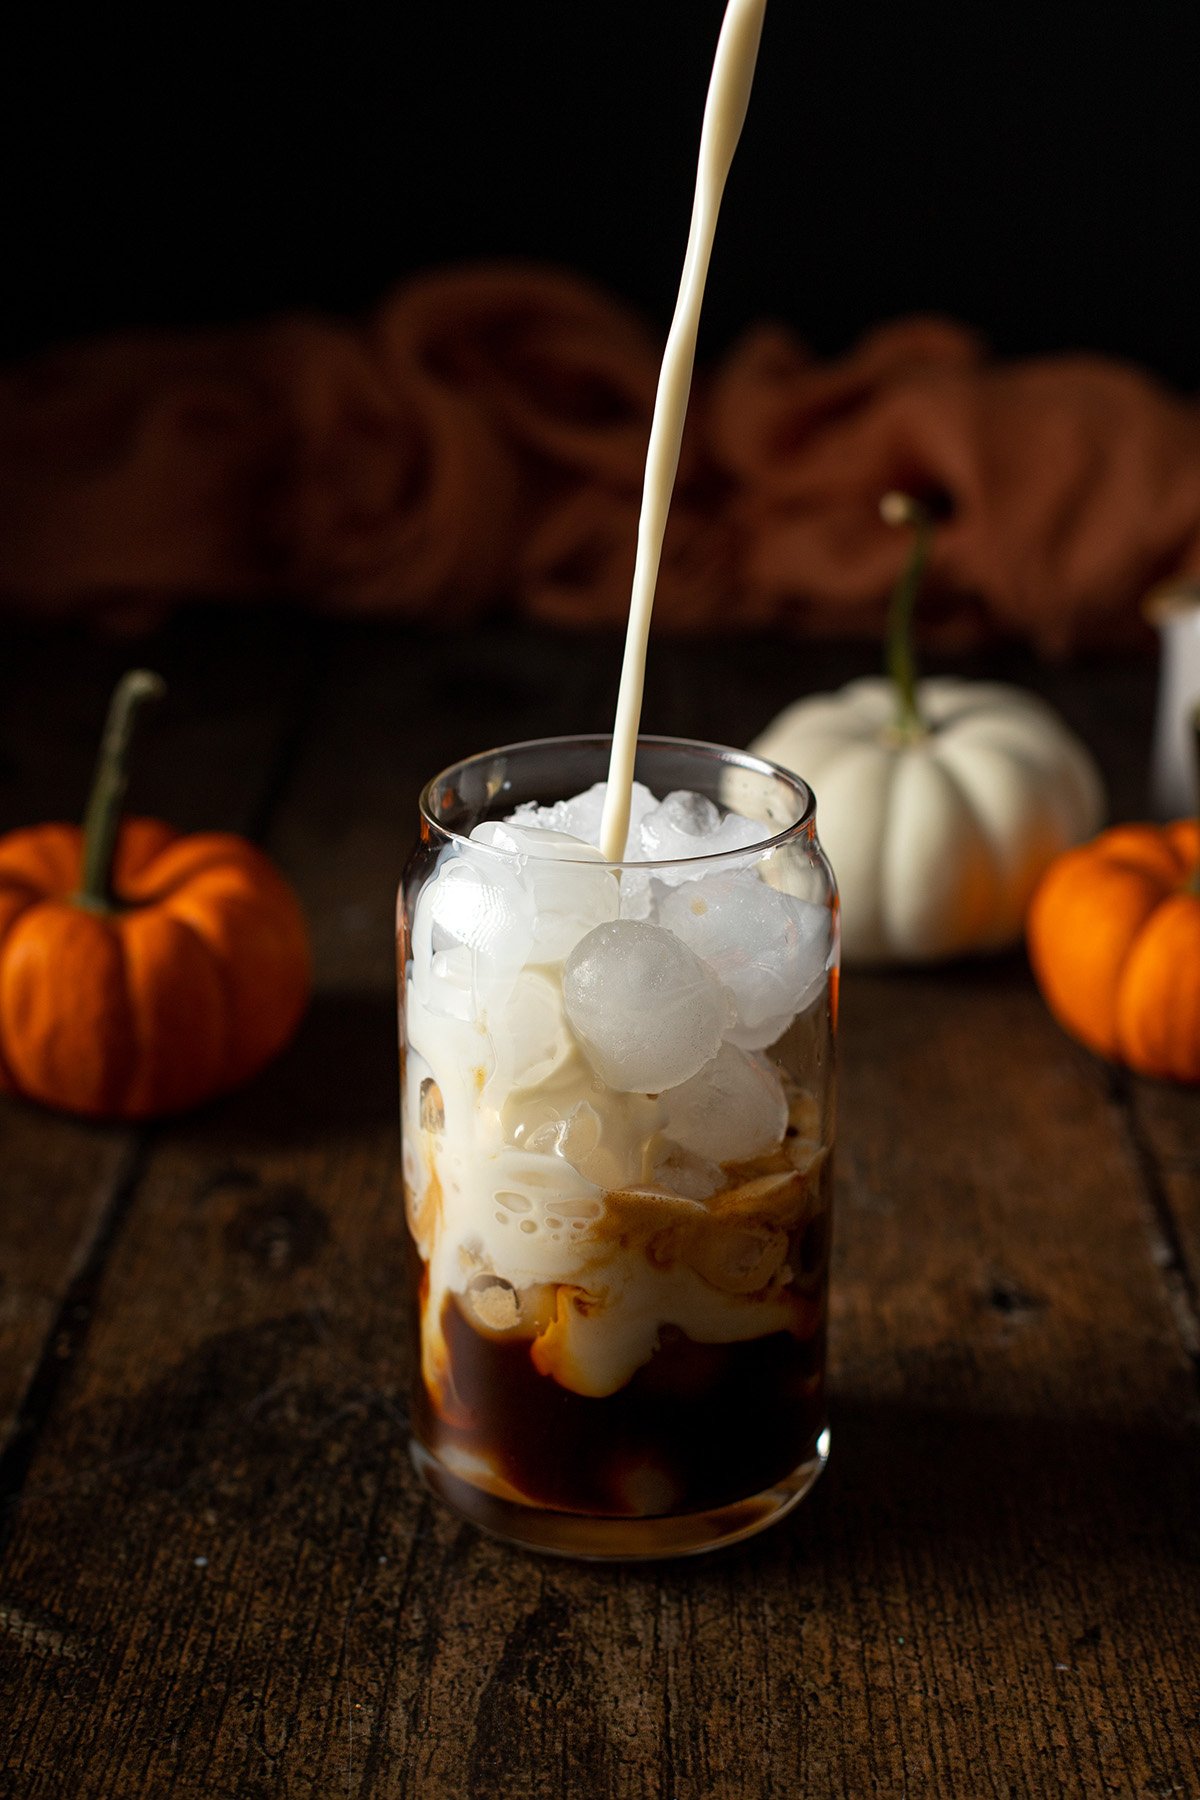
(591, 1539)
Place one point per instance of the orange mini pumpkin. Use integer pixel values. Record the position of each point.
(1114, 939)
(141, 972)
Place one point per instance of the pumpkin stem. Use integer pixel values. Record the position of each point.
(903, 509)
(102, 820)
(1194, 883)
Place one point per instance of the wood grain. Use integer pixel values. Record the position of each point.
(1164, 1137)
(223, 1579)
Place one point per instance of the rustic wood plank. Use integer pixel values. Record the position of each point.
(232, 1191)
(1022, 1392)
(208, 760)
(1164, 1131)
(225, 1581)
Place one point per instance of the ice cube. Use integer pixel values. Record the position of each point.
(581, 814)
(732, 1110)
(636, 898)
(476, 904)
(601, 1154)
(691, 1177)
(689, 825)
(676, 825)
(604, 1136)
(646, 1010)
(739, 1259)
(449, 992)
(768, 948)
(529, 1033)
(572, 887)
(456, 1054)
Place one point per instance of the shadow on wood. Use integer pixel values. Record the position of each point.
(997, 1493)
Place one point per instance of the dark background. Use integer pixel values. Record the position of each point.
(1034, 171)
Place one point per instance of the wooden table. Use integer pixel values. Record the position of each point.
(219, 1575)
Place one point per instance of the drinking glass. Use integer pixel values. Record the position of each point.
(617, 1098)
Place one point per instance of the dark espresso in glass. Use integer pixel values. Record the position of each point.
(696, 1427)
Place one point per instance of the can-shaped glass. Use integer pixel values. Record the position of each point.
(617, 1101)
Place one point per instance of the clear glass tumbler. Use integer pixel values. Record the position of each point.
(617, 1097)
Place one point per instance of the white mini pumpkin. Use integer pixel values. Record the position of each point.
(940, 802)
(937, 840)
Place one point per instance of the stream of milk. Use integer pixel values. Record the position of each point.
(724, 115)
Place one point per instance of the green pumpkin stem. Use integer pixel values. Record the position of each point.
(102, 820)
(902, 509)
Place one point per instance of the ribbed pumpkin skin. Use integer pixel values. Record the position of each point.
(188, 989)
(1114, 939)
(937, 842)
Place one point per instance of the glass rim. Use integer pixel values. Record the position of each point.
(725, 754)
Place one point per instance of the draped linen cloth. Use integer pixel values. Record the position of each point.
(478, 443)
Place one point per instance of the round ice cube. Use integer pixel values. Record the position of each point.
(768, 948)
(732, 1110)
(689, 825)
(646, 1010)
(572, 886)
(477, 904)
(582, 813)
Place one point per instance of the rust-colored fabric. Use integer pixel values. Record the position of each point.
(479, 441)
(1073, 482)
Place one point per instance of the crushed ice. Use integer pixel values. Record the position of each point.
(617, 1009)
